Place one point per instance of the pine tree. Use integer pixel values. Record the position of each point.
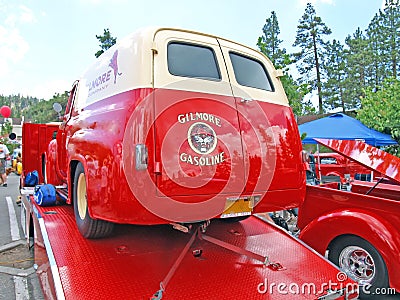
(377, 47)
(269, 43)
(106, 42)
(334, 89)
(391, 34)
(358, 62)
(309, 38)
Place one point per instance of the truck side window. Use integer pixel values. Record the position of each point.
(190, 60)
(328, 161)
(250, 72)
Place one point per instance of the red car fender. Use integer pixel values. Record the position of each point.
(75, 159)
(334, 174)
(376, 230)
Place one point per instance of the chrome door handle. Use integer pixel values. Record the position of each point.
(245, 100)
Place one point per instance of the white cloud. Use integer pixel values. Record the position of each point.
(49, 88)
(13, 48)
(20, 15)
(26, 15)
(45, 90)
(13, 45)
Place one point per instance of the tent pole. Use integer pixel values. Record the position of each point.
(319, 166)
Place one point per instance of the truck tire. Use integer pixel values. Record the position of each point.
(361, 262)
(88, 227)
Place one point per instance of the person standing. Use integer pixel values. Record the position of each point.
(4, 153)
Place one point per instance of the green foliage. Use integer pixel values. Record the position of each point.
(106, 42)
(390, 37)
(358, 58)
(269, 42)
(381, 109)
(43, 112)
(17, 103)
(334, 87)
(32, 109)
(6, 128)
(309, 38)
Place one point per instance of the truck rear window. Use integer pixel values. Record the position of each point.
(190, 60)
(250, 72)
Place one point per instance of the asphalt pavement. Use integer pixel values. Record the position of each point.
(18, 279)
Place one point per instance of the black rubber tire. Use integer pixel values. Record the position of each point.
(381, 277)
(88, 227)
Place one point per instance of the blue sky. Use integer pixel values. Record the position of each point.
(47, 44)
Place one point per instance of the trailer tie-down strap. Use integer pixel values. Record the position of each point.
(199, 232)
(163, 284)
(234, 248)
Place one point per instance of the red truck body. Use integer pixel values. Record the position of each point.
(332, 218)
(145, 141)
(168, 126)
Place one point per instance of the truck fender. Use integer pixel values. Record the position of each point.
(71, 174)
(378, 231)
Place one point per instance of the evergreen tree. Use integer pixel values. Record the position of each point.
(43, 112)
(18, 103)
(334, 89)
(309, 38)
(391, 35)
(358, 61)
(269, 43)
(106, 42)
(376, 46)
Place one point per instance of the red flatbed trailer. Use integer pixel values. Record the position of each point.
(133, 263)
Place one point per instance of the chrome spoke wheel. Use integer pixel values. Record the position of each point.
(358, 264)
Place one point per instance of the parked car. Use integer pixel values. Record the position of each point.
(357, 227)
(335, 164)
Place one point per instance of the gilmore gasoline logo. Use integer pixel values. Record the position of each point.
(202, 139)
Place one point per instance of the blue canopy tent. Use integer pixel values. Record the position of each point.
(342, 127)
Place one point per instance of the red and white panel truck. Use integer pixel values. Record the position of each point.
(171, 142)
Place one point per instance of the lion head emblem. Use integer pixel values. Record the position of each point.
(202, 138)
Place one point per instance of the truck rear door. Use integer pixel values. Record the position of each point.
(198, 143)
(268, 127)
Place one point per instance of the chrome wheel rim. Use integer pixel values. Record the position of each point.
(358, 264)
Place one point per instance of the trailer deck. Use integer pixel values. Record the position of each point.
(133, 263)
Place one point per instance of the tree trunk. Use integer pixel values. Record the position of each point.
(320, 108)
